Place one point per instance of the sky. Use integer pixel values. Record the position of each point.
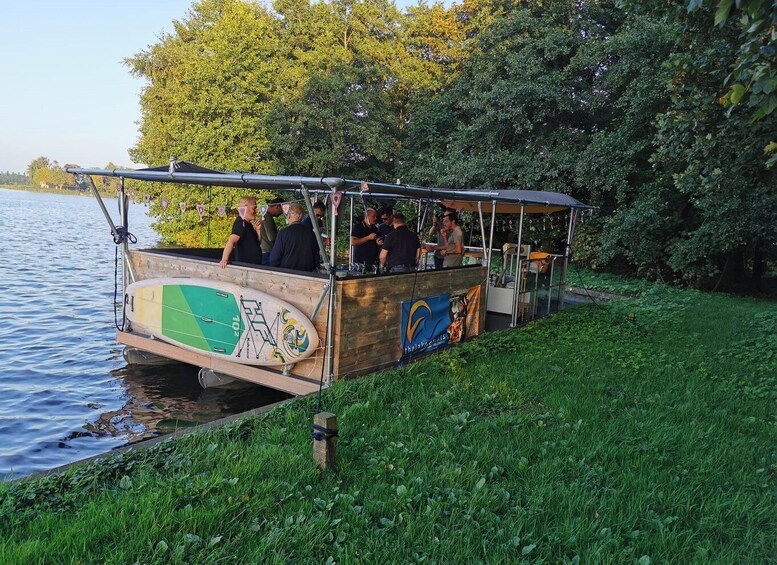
(64, 92)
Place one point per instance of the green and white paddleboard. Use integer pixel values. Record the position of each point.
(224, 320)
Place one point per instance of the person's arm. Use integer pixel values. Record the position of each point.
(360, 240)
(257, 224)
(418, 255)
(441, 246)
(383, 257)
(458, 246)
(228, 247)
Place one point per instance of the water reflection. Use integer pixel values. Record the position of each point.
(66, 392)
(161, 399)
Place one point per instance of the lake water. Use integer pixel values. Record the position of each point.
(66, 392)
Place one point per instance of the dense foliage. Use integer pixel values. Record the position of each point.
(14, 178)
(645, 109)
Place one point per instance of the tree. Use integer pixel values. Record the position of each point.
(210, 84)
(721, 190)
(39, 163)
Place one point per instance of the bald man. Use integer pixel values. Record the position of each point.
(296, 246)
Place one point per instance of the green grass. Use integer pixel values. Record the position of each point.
(641, 432)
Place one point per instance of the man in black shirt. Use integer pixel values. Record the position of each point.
(364, 238)
(385, 227)
(244, 238)
(401, 248)
(296, 246)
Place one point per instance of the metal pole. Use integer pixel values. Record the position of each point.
(490, 244)
(99, 199)
(517, 281)
(567, 254)
(350, 247)
(482, 231)
(125, 255)
(550, 285)
(330, 326)
(123, 221)
(314, 222)
(114, 231)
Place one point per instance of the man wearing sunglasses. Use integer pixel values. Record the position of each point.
(319, 211)
(386, 226)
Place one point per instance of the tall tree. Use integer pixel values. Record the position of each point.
(35, 164)
(209, 86)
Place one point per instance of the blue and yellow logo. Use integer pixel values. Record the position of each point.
(424, 323)
(415, 318)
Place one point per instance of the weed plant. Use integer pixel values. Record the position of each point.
(638, 432)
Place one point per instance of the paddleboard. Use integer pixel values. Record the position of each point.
(224, 320)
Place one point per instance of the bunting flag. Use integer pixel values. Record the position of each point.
(241, 210)
(146, 198)
(222, 211)
(132, 195)
(201, 210)
(285, 207)
(164, 203)
(364, 186)
(263, 210)
(183, 206)
(336, 198)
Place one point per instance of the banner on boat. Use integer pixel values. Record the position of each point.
(433, 322)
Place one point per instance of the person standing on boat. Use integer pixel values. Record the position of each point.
(452, 247)
(244, 239)
(386, 226)
(365, 240)
(437, 231)
(269, 230)
(319, 211)
(296, 246)
(401, 248)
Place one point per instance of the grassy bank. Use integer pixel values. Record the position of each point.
(641, 432)
(24, 188)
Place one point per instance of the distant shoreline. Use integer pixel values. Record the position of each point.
(30, 188)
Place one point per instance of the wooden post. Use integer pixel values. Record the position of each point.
(325, 440)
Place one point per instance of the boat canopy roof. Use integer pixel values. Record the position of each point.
(506, 201)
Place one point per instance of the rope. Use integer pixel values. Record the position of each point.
(122, 235)
(320, 433)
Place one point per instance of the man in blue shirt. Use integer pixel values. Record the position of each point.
(296, 246)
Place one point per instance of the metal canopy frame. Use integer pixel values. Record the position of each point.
(536, 198)
(480, 201)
